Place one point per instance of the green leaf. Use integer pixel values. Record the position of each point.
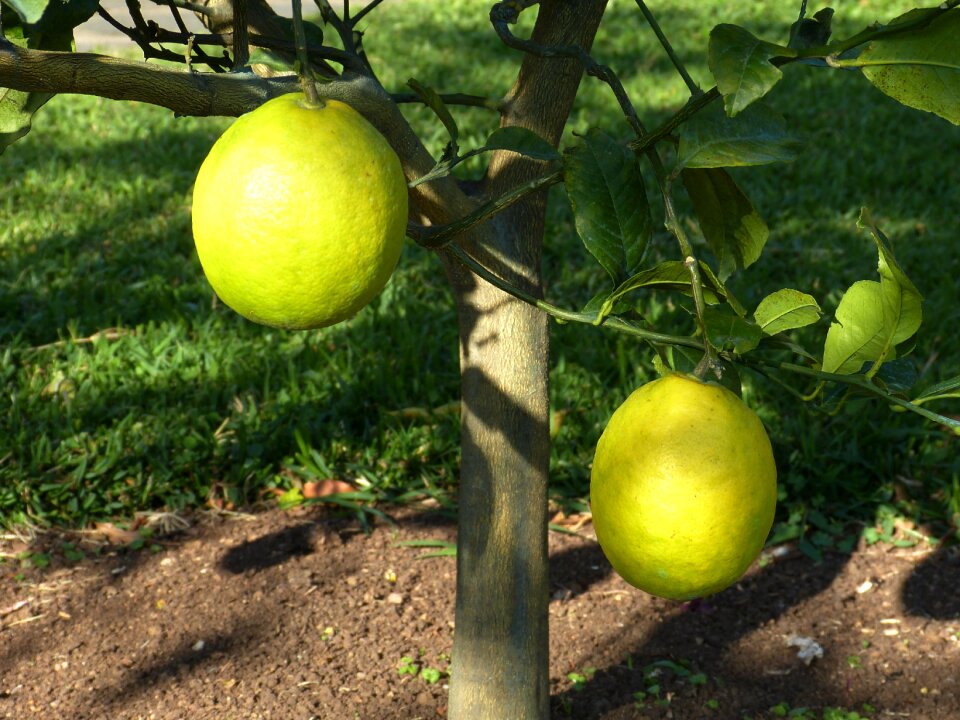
(53, 16)
(733, 229)
(609, 202)
(16, 114)
(433, 101)
(786, 310)
(897, 376)
(857, 335)
(946, 389)
(920, 67)
(740, 63)
(815, 32)
(708, 278)
(522, 141)
(757, 136)
(874, 319)
(728, 331)
(669, 275)
(18, 108)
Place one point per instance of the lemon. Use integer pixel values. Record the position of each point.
(683, 488)
(299, 213)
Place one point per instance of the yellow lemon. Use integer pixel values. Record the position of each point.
(299, 213)
(683, 488)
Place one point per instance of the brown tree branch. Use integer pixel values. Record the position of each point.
(206, 94)
(186, 93)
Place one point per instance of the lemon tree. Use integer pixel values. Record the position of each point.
(683, 488)
(299, 213)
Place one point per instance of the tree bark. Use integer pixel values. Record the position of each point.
(501, 655)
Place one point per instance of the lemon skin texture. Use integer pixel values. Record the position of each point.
(299, 213)
(683, 488)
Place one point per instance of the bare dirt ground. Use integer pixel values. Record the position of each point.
(301, 615)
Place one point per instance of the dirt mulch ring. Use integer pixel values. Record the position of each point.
(301, 615)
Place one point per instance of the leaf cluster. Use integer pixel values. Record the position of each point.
(606, 179)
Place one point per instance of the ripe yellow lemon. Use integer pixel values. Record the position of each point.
(299, 213)
(683, 488)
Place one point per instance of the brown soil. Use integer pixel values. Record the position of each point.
(302, 615)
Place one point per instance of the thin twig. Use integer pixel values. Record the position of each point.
(269, 43)
(182, 27)
(504, 14)
(363, 11)
(674, 58)
(857, 381)
(452, 99)
(568, 315)
(439, 236)
(150, 52)
(307, 80)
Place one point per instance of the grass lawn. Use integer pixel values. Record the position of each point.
(128, 388)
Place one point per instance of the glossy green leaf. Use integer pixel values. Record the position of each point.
(733, 229)
(786, 310)
(857, 334)
(729, 331)
(757, 136)
(522, 141)
(875, 321)
(609, 202)
(920, 67)
(672, 275)
(740, 63)
(669, 275)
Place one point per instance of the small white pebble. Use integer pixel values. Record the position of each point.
(199, 645)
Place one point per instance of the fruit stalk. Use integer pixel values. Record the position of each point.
(304, 70)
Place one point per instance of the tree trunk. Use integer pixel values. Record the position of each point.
(500, 655)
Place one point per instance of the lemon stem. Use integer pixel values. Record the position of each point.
(304, 70)
(709, 360)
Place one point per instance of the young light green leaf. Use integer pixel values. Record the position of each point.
(786, 310)
(433, 101)
(757, 136)
(901, 301)
(733, 229)
(609, 202)
(728, 331)
(920, 67)
(740, 63)
(875, 320)
(522, 141)
(856, 336)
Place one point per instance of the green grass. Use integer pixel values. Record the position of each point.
(178, 401)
